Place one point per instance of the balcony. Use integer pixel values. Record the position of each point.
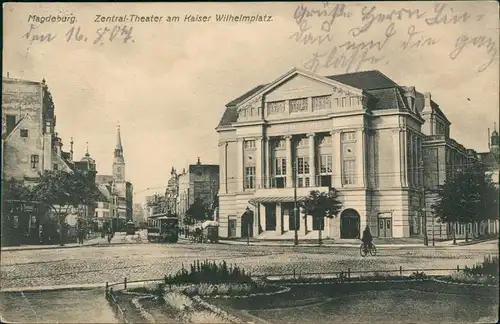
(278, 188)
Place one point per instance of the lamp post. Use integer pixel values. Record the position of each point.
(422, 189)
(295, 209)
(247, 212)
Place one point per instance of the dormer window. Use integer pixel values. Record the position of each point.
(24, 133)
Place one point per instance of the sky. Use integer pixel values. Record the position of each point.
(167, 85)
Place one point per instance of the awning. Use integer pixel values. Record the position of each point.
(274, 199)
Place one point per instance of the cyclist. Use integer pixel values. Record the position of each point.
(367, 238)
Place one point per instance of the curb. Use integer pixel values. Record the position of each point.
(48, 247)
(463, 283)
(52, 288)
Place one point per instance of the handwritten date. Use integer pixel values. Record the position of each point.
(117, 33)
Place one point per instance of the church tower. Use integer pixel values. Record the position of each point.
(494, 142)
(119, 161)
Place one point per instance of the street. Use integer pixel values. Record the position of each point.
(23, 272)
(113, 262)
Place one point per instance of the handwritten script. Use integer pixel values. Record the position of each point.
(100, 36)
(402, 29)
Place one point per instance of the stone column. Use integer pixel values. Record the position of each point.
(262, 216)
(404, 157)
(361, 157)
(303, 222)
(267, 158)
(239, 168)
(256, 220)
(259, 163)
(397, 156)
(279, 219)
(289, 162)
(336, 160)
(223, 167)
(312, 159)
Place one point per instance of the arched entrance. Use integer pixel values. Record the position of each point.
(247, 223)
(349, 224)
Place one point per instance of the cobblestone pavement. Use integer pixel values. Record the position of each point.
(112, 262)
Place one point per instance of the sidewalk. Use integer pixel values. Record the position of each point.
(91, 242)
(386, 243)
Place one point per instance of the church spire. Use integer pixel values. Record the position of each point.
(118, 139)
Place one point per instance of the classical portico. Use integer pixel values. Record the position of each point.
(321, 132)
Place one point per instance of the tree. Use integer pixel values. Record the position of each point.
(320, 205)
(60, 190)
(197, 211)
(465, 198)
(14, 196)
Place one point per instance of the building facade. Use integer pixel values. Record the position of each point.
(380, 144)
(199, 182)
(119, 208)
(172, 192)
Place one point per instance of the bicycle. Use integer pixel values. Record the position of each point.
(364, 250)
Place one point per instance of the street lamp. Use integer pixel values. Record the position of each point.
(422, 189)
(295, 209)
(247, 212)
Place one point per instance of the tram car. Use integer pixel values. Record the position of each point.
(163, 228)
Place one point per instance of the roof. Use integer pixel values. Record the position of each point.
(272, 199)
(366, 80)
(420, 104)
(489, 160)
(383, 93)
(103, 189)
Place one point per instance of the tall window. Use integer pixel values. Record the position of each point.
(320, 103)
(325, 170)
(349, 172)
(35, 160)
(249, 144)
(55, 167)
(279, 178)
(348, 158)
(298, 105)
(250, 177)
(302, 142)
(279, 144)
(303, 172)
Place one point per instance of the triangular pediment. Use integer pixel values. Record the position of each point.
(296, 84)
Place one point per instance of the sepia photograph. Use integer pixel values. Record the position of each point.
(250, 162)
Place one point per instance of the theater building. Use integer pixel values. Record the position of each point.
(360, 133)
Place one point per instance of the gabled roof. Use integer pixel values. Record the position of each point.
(26, 118)
(383, 93)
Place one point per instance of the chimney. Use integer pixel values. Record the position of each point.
(410, 97)
(198, 161)
(8, 75)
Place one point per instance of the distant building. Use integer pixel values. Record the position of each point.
(172, 192)
(491, 159)
(120, 192)
(200, 181)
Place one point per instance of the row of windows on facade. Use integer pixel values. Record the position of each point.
(303, 176)
(35, 163)
(302, 142)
